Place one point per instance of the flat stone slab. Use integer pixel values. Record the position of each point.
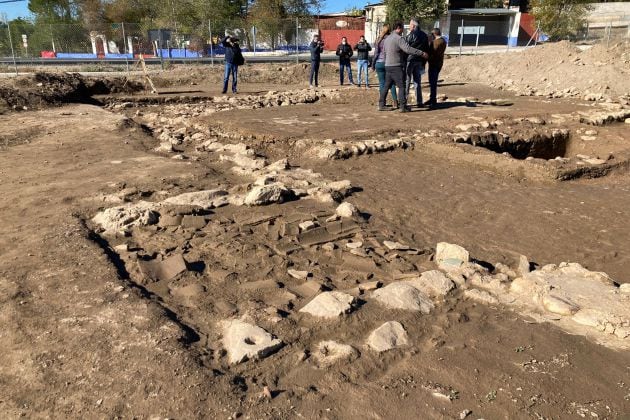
(433, 283)
(164, 270)
(244, 341)
(329, 305)
(331, 352)
(388, 336)
(402, 295)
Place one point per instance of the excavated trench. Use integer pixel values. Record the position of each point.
(535, 144)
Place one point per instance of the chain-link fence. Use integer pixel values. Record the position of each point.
(24, 39)
(606, 31)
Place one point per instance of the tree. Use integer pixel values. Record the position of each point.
(560, 19)
(403, 10)
(489, 4)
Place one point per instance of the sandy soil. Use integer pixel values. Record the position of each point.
(87, 330)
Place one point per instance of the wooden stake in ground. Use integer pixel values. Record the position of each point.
(141, 63)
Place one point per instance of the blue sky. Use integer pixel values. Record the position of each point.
(14, 10)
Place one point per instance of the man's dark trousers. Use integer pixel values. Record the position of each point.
(394, 75)
(434, 73)
(314, 72)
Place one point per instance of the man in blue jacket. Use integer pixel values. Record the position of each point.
(233, 59)
(316, 47)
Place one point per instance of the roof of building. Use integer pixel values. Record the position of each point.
(337, 14)
(367, 6)
(483, 12)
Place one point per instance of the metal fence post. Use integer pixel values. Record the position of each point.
(461, 38)
(6, 20)
(126, 49)
(297, 34)
(160, 48)
(254, 36)
(477, 40)
(211, 48)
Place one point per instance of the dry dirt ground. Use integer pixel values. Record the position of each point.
(129, 321)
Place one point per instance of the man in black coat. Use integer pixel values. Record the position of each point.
(233, 59)
(363, 60)
(418, 39)
(316, 47)
(344, 52)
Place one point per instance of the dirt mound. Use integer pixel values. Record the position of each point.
(49, 89)
(278, 73)
(558, 69)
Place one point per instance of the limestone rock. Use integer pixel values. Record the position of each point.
(402, 295)
(347, 210)
(395, 246)
(480, 296)
(207, 199)
(267, 194)
(123, 218)
(329, 305)
(559, 306)
(331, 352)
(388, 336)
(433, 283)
(625, 288)
(244, 341)
(523, 265)
(445, 251)
(297, 274)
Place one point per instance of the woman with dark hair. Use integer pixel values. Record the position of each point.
(378, 63)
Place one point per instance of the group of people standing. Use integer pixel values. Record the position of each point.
(398, 61)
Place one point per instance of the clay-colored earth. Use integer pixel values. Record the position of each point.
(88, 330)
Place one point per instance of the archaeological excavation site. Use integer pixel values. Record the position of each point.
(291, 252)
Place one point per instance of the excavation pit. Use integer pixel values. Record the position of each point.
(537, 144)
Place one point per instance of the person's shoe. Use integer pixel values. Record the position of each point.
(405, 109)
(395, 104)
(384, 108)
(420, 105)
(224, 92)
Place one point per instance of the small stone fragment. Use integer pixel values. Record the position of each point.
(244, 341)
(388, 336)
(445, 251)
(329, 305)
(297, 274)
(347, 210)
(331, 352)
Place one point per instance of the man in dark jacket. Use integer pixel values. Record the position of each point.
(396, 49)
(363, 56)
(316, 47)
(344, 52)
(415, 64)
(233, 59)
(436, 60)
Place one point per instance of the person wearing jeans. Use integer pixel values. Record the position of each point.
(363, 55)
(233, 59)
(344, 52)
(436, 60)
(378, 63)
(415, 64)
(396, 48)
